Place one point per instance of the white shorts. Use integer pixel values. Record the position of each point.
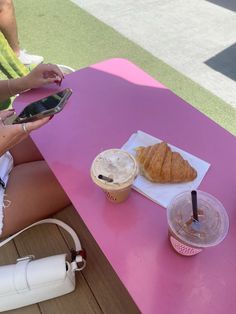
(6, 165)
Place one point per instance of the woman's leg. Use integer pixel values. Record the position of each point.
(26, 151)
(34, 193)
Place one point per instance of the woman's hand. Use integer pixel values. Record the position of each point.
(43, 74)
(10, 135)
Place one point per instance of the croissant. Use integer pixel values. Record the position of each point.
(159, 164)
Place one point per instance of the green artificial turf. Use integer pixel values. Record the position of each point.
(65, 34)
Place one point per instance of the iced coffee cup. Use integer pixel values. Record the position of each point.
(114, 171)
(189, 236)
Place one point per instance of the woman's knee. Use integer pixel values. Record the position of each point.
(5, 5)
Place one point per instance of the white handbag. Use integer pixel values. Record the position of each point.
(31, 281)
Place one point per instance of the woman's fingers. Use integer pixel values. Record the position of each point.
(6, 113)
(44, 74)
(55, 70)
(30, 126)
(15, 133)
(51, 70)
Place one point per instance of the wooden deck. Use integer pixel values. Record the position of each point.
(98, 289)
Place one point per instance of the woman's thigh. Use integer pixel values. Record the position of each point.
(26, 151)
(34, 193)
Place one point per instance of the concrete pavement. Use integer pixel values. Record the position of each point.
(196, 37)
(65, 33)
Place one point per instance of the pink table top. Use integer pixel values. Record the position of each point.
(110, 101)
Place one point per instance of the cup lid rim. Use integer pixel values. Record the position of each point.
(111, 185)
(223, 214)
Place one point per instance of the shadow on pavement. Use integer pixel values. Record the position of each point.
(225, 62)
(228, 4)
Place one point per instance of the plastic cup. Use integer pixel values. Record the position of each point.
(114, 171)
(188, 236)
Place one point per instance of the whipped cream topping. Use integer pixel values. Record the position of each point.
(115, 164)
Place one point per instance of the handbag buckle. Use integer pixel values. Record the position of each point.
(80, 264)
(28, 257)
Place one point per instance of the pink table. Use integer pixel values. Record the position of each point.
(111, 100)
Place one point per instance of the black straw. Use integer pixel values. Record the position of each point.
(194, 205)
(102, 177)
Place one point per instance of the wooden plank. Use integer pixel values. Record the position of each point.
(46, 240)
(31, 309)
(8, 254)
(80, 301)
(105, 284)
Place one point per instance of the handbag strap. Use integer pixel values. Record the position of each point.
(78, 255)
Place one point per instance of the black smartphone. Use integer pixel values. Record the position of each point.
(44, 107)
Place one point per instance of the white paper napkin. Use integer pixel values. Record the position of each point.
(158, 192)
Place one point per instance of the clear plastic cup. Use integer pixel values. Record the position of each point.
(188, 236)
(114, 171)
